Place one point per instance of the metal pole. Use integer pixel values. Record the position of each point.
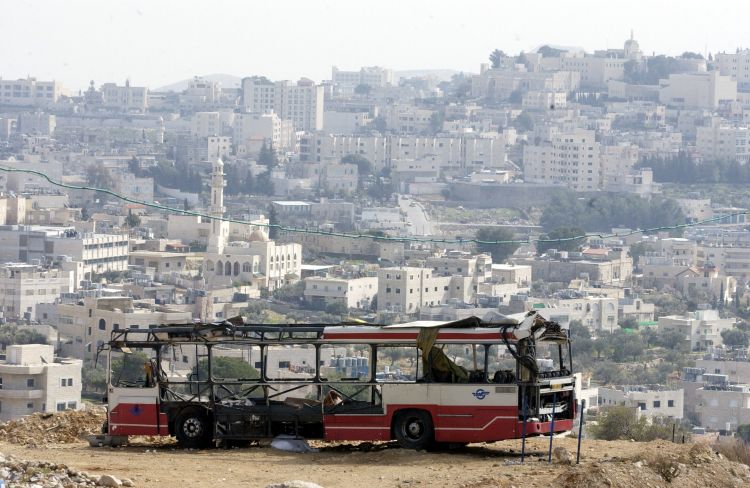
(552, 427)
(523, 430)
(673, 427)
(580, 432)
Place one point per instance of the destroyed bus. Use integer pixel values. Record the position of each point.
(421, 383)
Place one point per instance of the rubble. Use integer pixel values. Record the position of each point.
(57, 428)
(294, 484)
(40, 474)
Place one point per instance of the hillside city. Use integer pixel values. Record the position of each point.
(606, 190)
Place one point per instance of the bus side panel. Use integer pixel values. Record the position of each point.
(135, 411)
(475, 424)
(353, 427)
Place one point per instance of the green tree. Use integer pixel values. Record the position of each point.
(223, 367)
(565, 243)
(489, 238)
(99, 177)
(549, 52)
(735, 338)
(128, 369)
(364, 166)
(132, 220)
(623, 423)
(496, 57)
(12, 334)
(337, 308)
(267, 156)
(524, 122)
(264, 184)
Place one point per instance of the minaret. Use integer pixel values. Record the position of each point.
(219, 228)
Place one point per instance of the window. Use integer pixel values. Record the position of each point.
(72, 405)
(63, 382)
(642, 406)
(70, 381)
(102, 324)
(30, 383)
(61, 406)
(670, 403)
(657, 404)
(30, 405)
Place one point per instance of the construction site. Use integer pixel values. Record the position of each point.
(51, 450)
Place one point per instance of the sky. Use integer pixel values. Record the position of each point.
(158, 42)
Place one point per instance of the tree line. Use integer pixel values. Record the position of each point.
(683, 168)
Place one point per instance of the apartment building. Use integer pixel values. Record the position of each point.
(409, 289)
(699, 330)
(302, 102)
(733, 261)
(571, 159)
(98, 253)
(33, 380)
(736, 65)
(723, 406)
(124, 98)
(88, 323)
(252, 130)
(617, 163)
(353, 292)
(544, 100)
(29, 92)
(610, 266)
(466, 153)
(595, 313)
(24, 286)
(651, 401)
(511, 273)
(373, 76)
(36, 123)
(722, 141)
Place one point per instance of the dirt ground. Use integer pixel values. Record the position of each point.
(614, 464)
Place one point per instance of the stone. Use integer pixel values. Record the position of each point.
(561, 455)
(109, 480)
(295, 484)
(127, 482)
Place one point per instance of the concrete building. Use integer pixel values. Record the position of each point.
(595, 313)
(511, 273)
(571, 159)
(251, 130)
(544, 100)
(736, 65)
(29, 92)
(373, 76)
(87, 324)
(408, 289)
(723, 406)
(651, 401)
(124, 98)
(699, 330)
(33, 380)
(722, 141)
(24, 286)
(697, 90)
(302, 103)
(352, 292)
(36, 123)
(610, 266)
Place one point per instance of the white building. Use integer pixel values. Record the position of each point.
(650, 401)
(257, 261)
(24, 286)
(571, 159)
(124, 98)
(697, 90)
(544, 100)
(251, 130)
(374, 76)
(353, 292)
(301, 103)
(86, 325)
(736, 65)
(698, 330)
(29, 92)
(723, 141)
(33, 380)
(409, 289)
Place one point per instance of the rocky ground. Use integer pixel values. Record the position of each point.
(56, 460)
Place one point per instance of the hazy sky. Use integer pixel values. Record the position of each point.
(156, 42)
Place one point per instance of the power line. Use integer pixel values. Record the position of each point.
(431, 240)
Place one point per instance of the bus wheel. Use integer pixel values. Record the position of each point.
(413, 429)
(193, 429)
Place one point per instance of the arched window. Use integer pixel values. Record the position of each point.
(219, 268)
(228, 268)
(246, 267)
(102, 324)
(236, 268)
(209, 265)
(255, 267)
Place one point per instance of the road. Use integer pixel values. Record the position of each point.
(417, 215)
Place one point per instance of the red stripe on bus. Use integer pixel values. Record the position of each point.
(412, 336)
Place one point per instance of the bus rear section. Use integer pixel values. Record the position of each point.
(419, 383)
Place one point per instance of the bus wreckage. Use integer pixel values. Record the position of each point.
(421, 383)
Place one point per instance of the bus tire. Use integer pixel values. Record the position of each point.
(413, 429)
(193, 429)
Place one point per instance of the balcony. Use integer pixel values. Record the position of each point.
(21, 394)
